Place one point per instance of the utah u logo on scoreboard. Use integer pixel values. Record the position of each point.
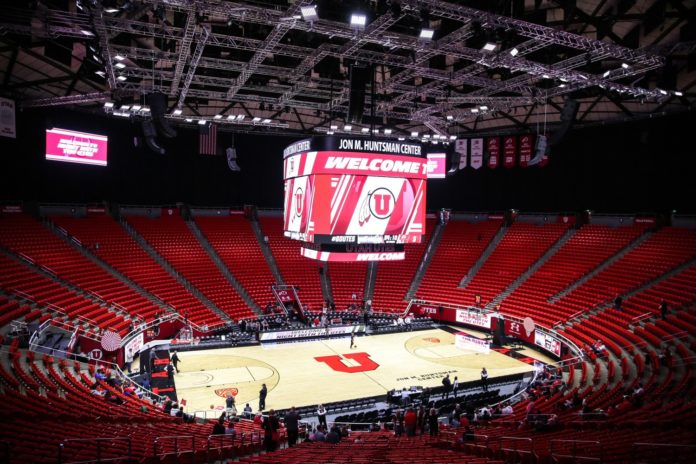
(299, 201)
(337, 363)
(382, 203)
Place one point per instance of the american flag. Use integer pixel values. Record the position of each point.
(207, 140)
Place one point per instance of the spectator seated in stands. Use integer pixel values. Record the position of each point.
(468, 435)
(506, 410)
(219, 426)
(599, 347)
(334, 436)
(229, 430)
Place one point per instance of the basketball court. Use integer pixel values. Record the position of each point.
(324, 371)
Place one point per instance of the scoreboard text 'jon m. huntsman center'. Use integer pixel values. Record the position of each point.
(353, 199)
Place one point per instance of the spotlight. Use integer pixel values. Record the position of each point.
(387, 131)
(606, 73)
(120, 65)
(266, 121)
(334, 127)
(119, 58)
(201, 122)
(256, 119)
(427, 34)
(347, 127)
(678, 94)
(136, 107)
(474, 110)
(217, 116)
(414, 134)
(177, 112)
(188, 120)
(109, 105)
(453, 137)
(663, 92)
(122, 78)
(483, 107)
(514, 52)
(489, 47)
(309, 13)
(358, 20)
(450, 117)
(625, 65)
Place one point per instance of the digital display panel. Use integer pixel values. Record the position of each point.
(76, 147)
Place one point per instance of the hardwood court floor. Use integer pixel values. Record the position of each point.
(295, 377)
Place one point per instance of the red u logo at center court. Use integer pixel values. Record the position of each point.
(336, 363)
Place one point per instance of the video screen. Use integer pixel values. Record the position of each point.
(355, 198)
(436, 165)
(76, 147)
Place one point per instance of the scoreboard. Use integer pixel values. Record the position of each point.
(354, 196)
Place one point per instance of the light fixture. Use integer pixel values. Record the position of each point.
(426, 136)
(678, 93)
(625, 65)
(136, 107)
(401, 139)
(333, 127)
(309, 13)
(100, 73)
(387, 131)
(188, 120)
(119, 58)
(663, 92)
(414, 134)
(201, 122)
(266, 121)
(146, 109)
(489, 47)
(122, 78)
(330, 132)
(474, 110)
(110, 10)
(87, 33)
(483, 107)
(217, 116)
(358, 20)
(365, 130)
(177, 112)
(230, 117)
(453, 137)
(375, 131)
(514, 52)
(120, 65)
(561, 85)
(108, 104)
(606, 73)
(450, 117)
(347, 127)
(256, 119)
(124, 107)
(545, 76)
(427, 34)
(240, 117)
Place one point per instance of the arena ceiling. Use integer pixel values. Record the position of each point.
(270, 66)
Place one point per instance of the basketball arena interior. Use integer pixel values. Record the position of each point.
(361, 231)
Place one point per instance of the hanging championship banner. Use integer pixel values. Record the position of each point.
(526, 149)
(493, 146)
(460, 147)
(476, 153)
(509, 151)
(7, 118)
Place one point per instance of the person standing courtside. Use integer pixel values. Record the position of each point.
(176, 361)
(262, 397)
(446, 386)
(321, 414)
(484, 379)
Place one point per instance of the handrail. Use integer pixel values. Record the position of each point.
(176, 439)
(517, 440)
(574, 455)
(677, 449)
(641, 317)
(98, 442)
